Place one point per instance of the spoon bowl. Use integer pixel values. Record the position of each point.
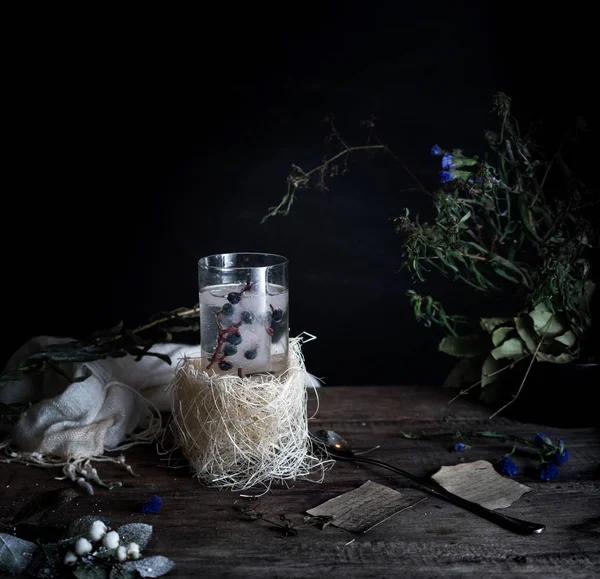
(337, 447)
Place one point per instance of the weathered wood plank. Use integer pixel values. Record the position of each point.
(201, 531)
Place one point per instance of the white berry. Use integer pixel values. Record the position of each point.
(111, 540)
(97, 530)
(83, 546)
(121, 553)
(133, 551)
(70, 558)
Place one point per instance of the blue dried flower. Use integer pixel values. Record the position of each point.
(446, 176)
(561, 457)
(447, 161)
(549, 471)
(542, 440)
(153, 505)
(508, 467)
(459, 447)
(436, 150)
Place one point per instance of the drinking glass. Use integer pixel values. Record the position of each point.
(244, 319)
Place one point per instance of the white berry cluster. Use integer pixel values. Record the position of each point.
(110, 539)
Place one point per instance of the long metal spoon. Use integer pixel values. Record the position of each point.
(337, 447)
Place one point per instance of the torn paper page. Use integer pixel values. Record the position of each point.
(363, 508)
(478, 482)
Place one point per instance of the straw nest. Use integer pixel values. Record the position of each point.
(244, 433)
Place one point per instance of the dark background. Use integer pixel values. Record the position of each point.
(146, 140)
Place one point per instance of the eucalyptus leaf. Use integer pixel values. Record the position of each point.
(114, 331)
(465, 217)
(587, 294)
(509, 265)
(119, 572)
(490, 324)
(568, 339)
(86, 373)
(499, 271)
(490, 434)
(524, 327)
(465, 371)
(489, 368)
(15, 554)
(105, 553)
(112, 343)
(545, 322)
(563, 358)
(136, 338)
(87, 571)
(493, 393)
(139, 533)
(462, 346)
(156, 566)
(501, 334)
(140, 352)
(512, 349)
(478, 247)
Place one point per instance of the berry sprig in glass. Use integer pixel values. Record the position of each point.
(244, 324)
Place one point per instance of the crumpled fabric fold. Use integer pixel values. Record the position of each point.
(76, 420)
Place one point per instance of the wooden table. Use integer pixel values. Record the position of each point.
(200, 529)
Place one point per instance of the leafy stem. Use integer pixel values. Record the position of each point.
(283, 523)
(115, 342)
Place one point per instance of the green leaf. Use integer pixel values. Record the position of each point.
(563, 358)
(490, 434)
(464, 175)
(478, 247)
(568, 339)
(488, 371)
(493, 393)
(15, 554)
(111, 332)
(445, 261)
(151, 566)
(524, 327)
(465, 217)
(498, 262)
(86, 374)
(139, 533)
(410, 435)
(525, 218)
(511, 349)
(119, 572)
(462, 346)
(85, 571)
(500, 335)
(137, 339)
(490, 324)
(465, 371)
(545, 322)
(499, 271)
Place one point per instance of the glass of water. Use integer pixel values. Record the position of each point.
(244, 312)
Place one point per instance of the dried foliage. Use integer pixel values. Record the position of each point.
(511, 222)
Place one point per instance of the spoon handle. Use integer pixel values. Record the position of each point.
(509, 523)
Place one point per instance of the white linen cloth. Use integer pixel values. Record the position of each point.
(81, 420)
(75, 420)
